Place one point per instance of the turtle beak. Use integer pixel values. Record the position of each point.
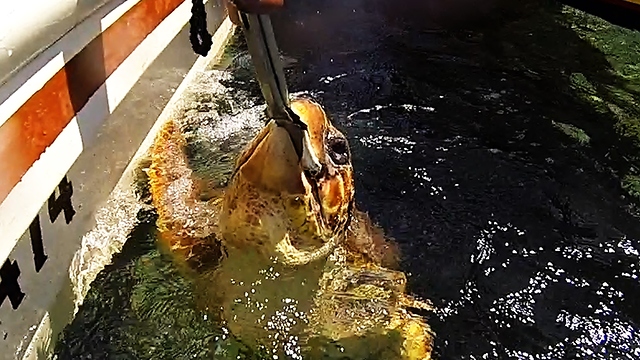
(302, 144)
(271, 163)
(279, 159)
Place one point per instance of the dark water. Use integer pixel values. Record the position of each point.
(499, 151)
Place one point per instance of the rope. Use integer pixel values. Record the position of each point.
(198, 35)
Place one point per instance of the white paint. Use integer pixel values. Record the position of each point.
(116, 14)
(105, 100)
(41, 340)
(25, 200)
(33, 76)
(126, 75)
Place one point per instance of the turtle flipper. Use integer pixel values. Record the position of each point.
(175, 192)
(367, 244)
(417, 336)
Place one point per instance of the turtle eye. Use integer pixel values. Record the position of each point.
(338, 149)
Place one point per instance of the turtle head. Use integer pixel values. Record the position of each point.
(292, 190)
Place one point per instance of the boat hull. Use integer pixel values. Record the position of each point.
(75, 109)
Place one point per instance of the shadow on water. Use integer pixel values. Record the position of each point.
(502, 156)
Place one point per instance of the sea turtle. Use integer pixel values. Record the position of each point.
(293, 266)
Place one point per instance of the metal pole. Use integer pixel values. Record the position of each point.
(268, 65)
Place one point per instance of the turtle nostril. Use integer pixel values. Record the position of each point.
(313, 168)
(314, 172)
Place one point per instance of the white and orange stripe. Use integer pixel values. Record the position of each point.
(53, 107)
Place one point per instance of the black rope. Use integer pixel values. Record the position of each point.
(198, 35)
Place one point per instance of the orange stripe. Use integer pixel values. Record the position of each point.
(35, 126)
